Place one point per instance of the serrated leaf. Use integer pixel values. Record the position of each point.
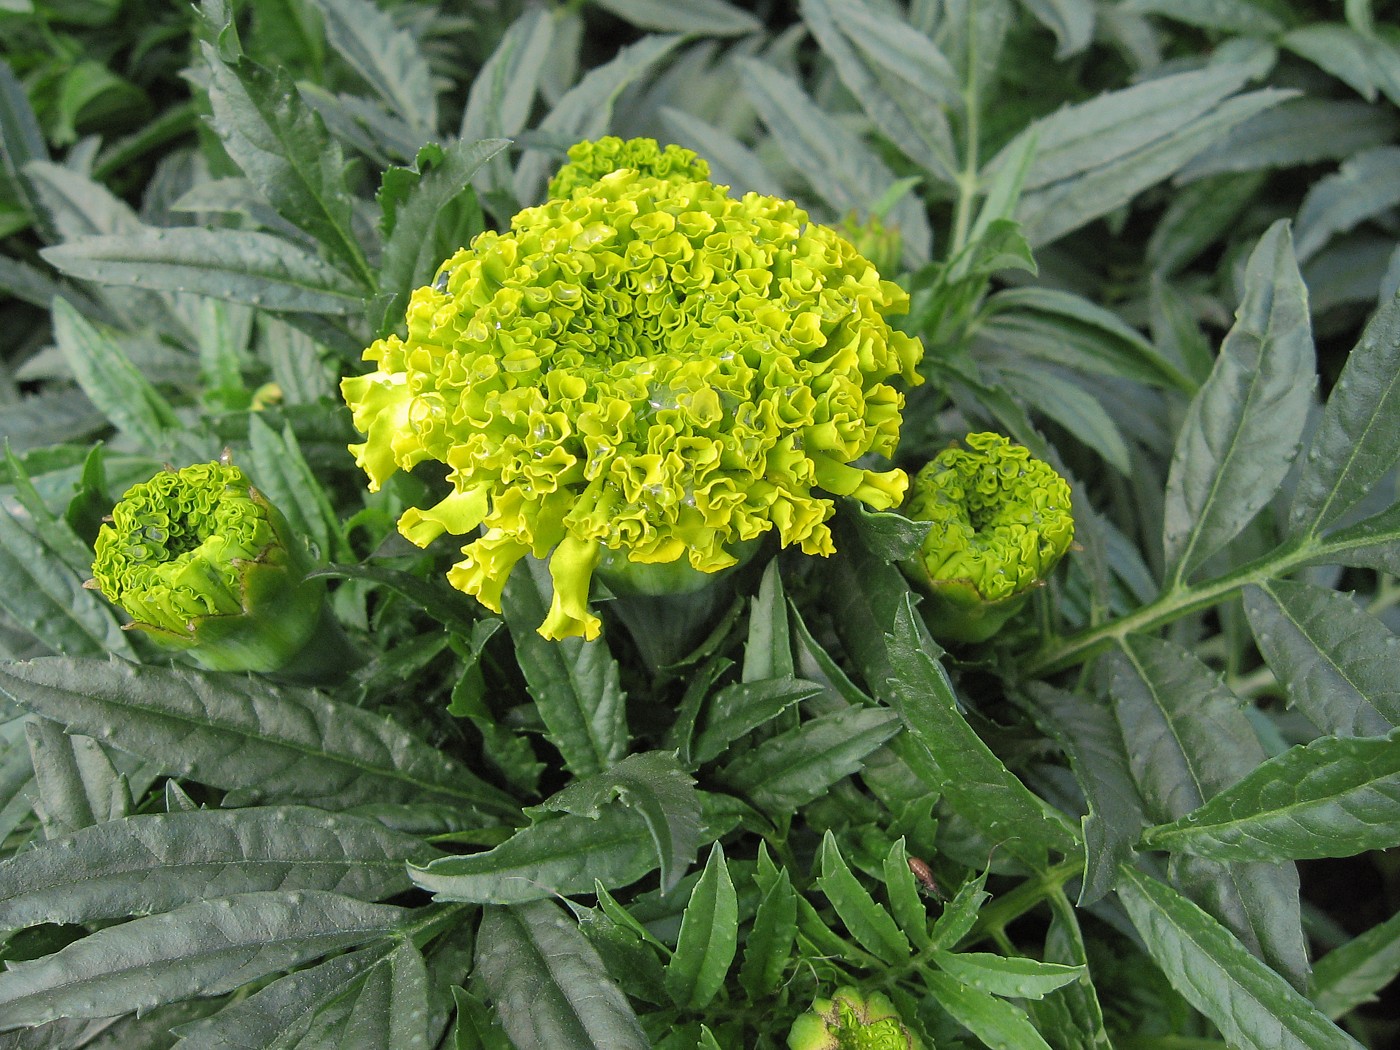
(201, 949)
(740, 708)
(548, 984)
(390, 1010)
(873, 928)
(1358, 439)
(997, 1023)
(1367, 62)
(1338, 664)
(21, 141)
(111, 381)
(502, 94)
(768, 649)
(1366, 185)
(1099, 759)
(1072, 22)
(709, 937)
(897, 74)
(159, 861)
(1012, 977)
(242, 266)
(1235, 16)
(561, 856)
(888, 535)
(731, 162)
(791, 769)
(654, 785)
(282, 146)
(1254, 1008)
(575, 684)
(1242, 430)
(1332, 797)
(1351, 974)
(768, 946)
(711, 17)
(386, 57)
(906, 905)
(78, 785)
(1073, 407)
(264, 741)
(280, 471)
(973, 780)
(846, 173)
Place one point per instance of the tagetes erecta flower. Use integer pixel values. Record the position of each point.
(1001, 521)
(852, 1021)
(590, 161)
(646, 372)
(202, 561)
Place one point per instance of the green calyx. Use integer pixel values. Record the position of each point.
(1000, 522)
(648, 372)
(590, 161)
(852, 1021)
(203, 562)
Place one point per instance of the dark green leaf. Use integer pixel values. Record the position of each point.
(1006, 976)
(575, 684)
(712, 17)
(78, 786)
(1072, 22)
(1242, 430)
(561, 856)
(768, 651)
(266, 741)
(386, 57)
(709, 937)
(996, 1023)
(1366, 185)
(1201, 214)
(21, 141)
(449, 607)
(1253, 1007)
(476, 1028)
(390, 1010)
(239, 265)
(1373, 543)
(888, 535)
(201, 949)
(872, 927)
(281, 473)
(1350, 975)
(1358, 440)
(973, 780)
(768, 946)
(906, 905)
(159, 861)
(1073, 407)
(795, 767)
(740, 708)
(548, 985)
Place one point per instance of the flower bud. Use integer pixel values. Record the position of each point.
(202, 562)
(590, 161)
(1000, 523)
(852, 1021)
(879, 243)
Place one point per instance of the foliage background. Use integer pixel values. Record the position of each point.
(1143, 237)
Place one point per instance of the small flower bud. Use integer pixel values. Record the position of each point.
(852, 1021)
(202, 562)
(590, 161)
(1000, 523)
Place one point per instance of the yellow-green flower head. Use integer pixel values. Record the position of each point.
(202, 561)
(852, 1021)
(590, 161)
(649, 369)
(1001, 521)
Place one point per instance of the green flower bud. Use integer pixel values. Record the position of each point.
(1001, 522)
(641, 379)
(202, 562)
(852, 1021)
(590, 161)
(879, 243)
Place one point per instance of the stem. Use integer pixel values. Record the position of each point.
(326, 657)
(1002, 912)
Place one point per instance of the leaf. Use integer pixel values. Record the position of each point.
(768, 649)
(562, 856)
(709, 937)
(1242, 430)
(1072, 22)
(1358, 440)
(21, 141)
(1337, 663)
(1201, 214)
(843, 171)
(768, 946)
(111, 381)
(1373, 543)
(1365, 186)
(281, 473)
(1253, 1007)
(654, 785)
(548, 984)
(242, 266)
(897, 74)
(1332, 797)
(1367, 62)
(201, 949)
(1350, 975)
(575, 684)
(738, 709)
(731, 162)
(445, 604)
(973, 780)
(1074, 408)
(793, 768)
(890, 536)
(386, 58)
(906, 905)
(1011, 977)
(265, 741)
(1098, 756)
(996, 1023)
(160, 861)
(282, 146)
(78, 786)
(1232, 16)
(390, 1006)
(503, 93)
(872, 927)
(49, 600)
(711, 17)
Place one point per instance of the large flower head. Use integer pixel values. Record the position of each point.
(1000, 521)
(202, 561)
(646, 371)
